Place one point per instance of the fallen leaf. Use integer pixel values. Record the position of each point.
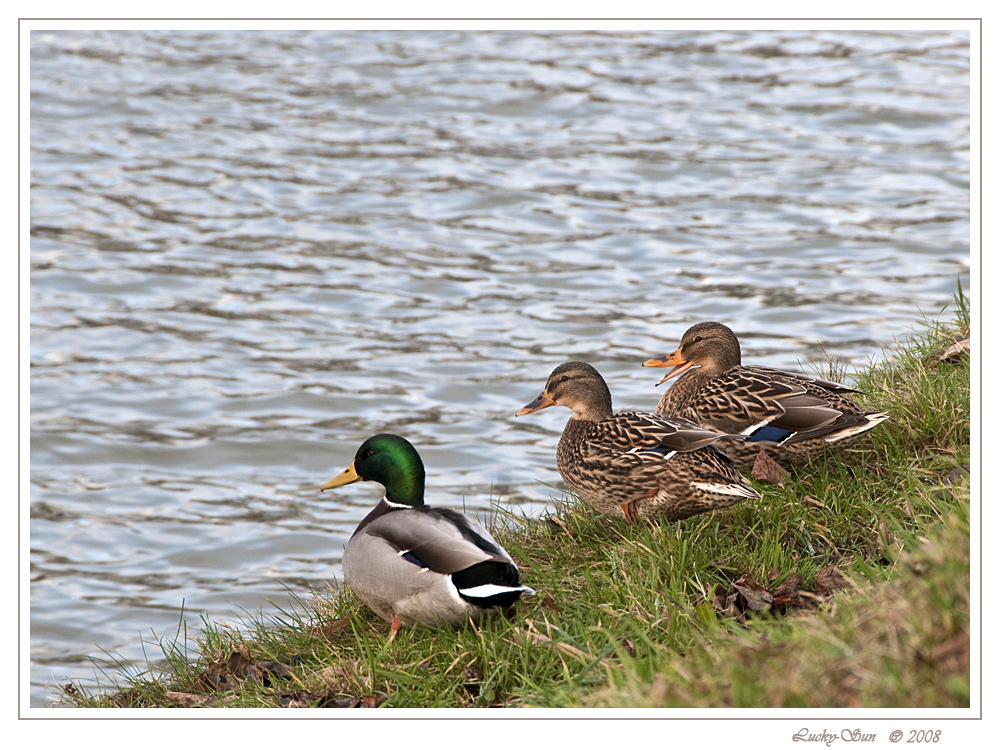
(224, 674)
(828, 580)
(767, 470)
(213, 679)
(755, 596)
(747, 596)
(956, 351)
(239, 662)
(787, 595)
(725, 602)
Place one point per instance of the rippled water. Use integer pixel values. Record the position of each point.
(252, 250)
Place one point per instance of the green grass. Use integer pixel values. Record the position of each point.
(637, 617)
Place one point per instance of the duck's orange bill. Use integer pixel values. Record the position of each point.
(675, 359)
(539, 403)
(347, 476)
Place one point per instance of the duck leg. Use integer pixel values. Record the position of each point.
(396, 624)
(629, 509)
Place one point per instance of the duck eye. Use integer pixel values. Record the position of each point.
(564, 378)
(368, 453)
(697, 339)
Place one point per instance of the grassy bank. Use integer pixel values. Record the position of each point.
(847, 585)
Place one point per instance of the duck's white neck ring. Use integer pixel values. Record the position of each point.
(396, 506)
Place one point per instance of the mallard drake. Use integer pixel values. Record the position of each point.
(790, 416)
(417, 565)
(636, 464)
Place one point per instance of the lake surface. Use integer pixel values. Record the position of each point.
(252, 250)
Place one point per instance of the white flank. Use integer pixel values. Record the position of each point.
(873, 419)
(487, 590)
(727, 489)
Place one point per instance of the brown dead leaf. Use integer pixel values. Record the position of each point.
(215, 679)
(224, 674)
(239, 662)
(747, 596)
(828, 580)
(725, 602)
(755, 596)
(957, 351)
(787, 596)
(339, 685)
(767, 470)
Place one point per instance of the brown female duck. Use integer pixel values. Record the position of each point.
(636, 464)
(790, 416)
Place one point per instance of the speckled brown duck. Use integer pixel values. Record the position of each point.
(792, 417)
(636, 464)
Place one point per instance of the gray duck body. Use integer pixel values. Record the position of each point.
(429, 565)
(417, 565)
